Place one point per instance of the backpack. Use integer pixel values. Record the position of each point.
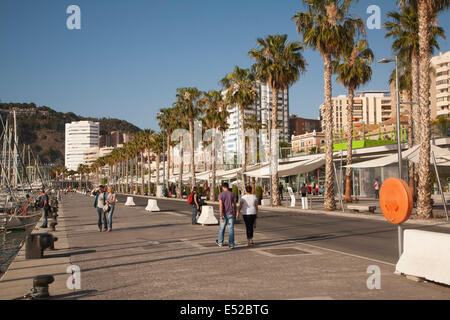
(190, 199)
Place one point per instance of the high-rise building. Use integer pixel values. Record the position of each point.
(440, 86)
(262, 111)
(80, 136)
(369, 107)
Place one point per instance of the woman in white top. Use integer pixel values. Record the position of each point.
(248, 206)
(111, 200)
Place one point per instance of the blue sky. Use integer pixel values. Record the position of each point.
(130, 56)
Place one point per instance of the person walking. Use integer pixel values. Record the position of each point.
(111, 199)
(376, 186)
(99, 204)
(228, 214)
(195, 205)
(45, 208)
(249, 207)
(280, 191)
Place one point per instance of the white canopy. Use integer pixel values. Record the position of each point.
(289, 169)
(442, 158)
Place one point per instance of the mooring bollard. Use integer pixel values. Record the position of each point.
(35, 244)
(40, 287)
(207, 216)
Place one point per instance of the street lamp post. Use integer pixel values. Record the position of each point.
(399, 142)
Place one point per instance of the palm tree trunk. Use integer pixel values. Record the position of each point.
(424, 208)
(244, 149)
(180, 176)
(212, 190)
(127, 173)
(349, 131)
(191, 133)
(168, 159)
(276, 200)
(157, 168)
(149, 174)
(142, 173)
(329, 201)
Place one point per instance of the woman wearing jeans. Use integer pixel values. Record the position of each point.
(249, 207)
(111, 201)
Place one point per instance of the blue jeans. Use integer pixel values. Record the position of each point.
(194, 214)
(45, 216)
(101, 217)
(227, 221)
(109, 216)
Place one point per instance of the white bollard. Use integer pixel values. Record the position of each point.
(207, 216)
(130, 202)
(159, 191)
(426, 255)
(152, 206)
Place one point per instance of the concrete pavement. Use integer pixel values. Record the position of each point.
(162, 256)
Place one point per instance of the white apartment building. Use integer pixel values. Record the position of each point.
(440, 85)
(80, 137)
(369, 107)
(263, 111)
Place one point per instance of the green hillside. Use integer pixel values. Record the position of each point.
(43, 128)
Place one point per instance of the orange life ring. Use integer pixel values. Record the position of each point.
(396, 200)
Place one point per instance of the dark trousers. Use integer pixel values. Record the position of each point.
(194, 214)
(249, 225)
(377, 194)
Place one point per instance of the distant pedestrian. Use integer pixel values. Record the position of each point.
(99, 204)
(45, 207)
(194, 201)
(228, 214)
(249, 208)
(304, 191)
(376, 186)
(111, 199)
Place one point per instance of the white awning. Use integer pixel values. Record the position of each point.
(442, 158)
(289, 169)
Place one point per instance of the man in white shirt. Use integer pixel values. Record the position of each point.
(249, 207)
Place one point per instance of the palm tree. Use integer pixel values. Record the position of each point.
(157, 148)
(240, 91)
(279, 63)
(353, 70)
(181, 121)
(215, 117)
(165, 118)
(189, 105)
(327, 27)
(404, 29)
(427, 9)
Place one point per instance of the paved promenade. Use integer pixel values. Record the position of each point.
(162, 256)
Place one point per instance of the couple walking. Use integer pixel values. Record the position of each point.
(248, 205)
(105, 202)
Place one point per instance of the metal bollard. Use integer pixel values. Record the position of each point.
(40, 287)
(35, 244)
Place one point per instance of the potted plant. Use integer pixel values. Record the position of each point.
(259, 194)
